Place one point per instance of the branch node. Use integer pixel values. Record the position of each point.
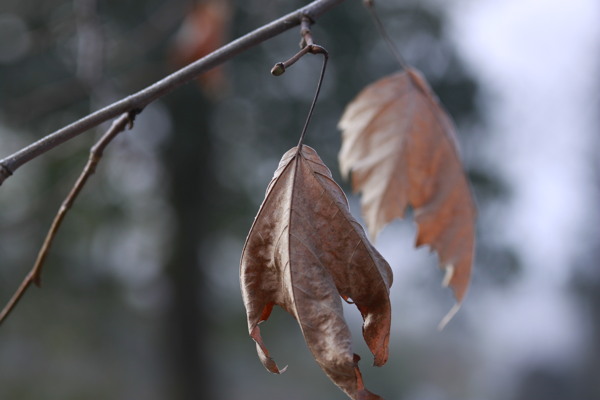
(131, 116)
(316, 49)
(307, 45)
(5, 172)
(305, 24)
(37, 279)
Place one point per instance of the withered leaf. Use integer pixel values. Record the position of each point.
(202, 31)
(303, 252)
(399, 144)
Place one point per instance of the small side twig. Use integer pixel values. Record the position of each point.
(96, 152)
(305, 24)
(279, 68)
(308, 46)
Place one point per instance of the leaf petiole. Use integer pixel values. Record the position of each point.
(370, 4)
(315, 49)
(308, 47)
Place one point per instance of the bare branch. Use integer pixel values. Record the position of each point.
(136, 102)
(34, 276)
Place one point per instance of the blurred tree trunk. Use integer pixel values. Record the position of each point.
(191, 183)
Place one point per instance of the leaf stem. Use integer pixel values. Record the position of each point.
(315, 49)
(370, 4)
(308, 46)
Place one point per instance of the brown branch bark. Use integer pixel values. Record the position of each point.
(136, 102)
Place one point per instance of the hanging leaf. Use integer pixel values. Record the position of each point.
(399, 144)
(303, 252)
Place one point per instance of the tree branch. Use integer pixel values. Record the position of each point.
(136, 102)
(96, 152)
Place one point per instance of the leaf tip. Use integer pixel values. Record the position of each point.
(448, 275)
(448, 317)
(361, 392)
(263, 353)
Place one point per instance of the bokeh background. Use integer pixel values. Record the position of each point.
(140, 294)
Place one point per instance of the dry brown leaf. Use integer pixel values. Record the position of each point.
(203, 30)
(303, 252)
(399, 144)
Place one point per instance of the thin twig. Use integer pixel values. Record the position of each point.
(96, 152)
(145, 96)
(280, 67)
(306, 46)
(309, 47)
